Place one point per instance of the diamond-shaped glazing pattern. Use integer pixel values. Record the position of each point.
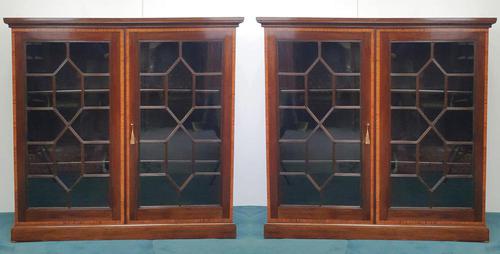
(68, 128)
(319, 117)
(180, 122)
(431, 114)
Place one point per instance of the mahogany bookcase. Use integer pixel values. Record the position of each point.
(123, 128)
(376, 128)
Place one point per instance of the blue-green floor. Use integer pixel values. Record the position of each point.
(250, 222)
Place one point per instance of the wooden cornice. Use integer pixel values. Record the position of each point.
(123, 22)
(377, 22)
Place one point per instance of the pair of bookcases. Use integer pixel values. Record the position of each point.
(123, 128)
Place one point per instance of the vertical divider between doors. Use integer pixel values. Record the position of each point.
(123, 114)
(376, 183)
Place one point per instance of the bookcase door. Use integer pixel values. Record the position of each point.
(67, 100)
(319, 124)
(180, 104)
(432, 133)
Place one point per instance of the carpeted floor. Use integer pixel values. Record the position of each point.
(250, 220)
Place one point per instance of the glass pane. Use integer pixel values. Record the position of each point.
(403, 82)
(152, 98)
(401, 119)
(293, 151)
(90, 57)
(320, 77)
(39, 83)
(96, 99)
(81, 176)
(287, 82)
(203, 56)
(347, 82)
(319, 103)
(342, 57)
(204, 124)
(68, 104)
(208, 82)
(432, 104)
(455, 57)
(43, 125)
(320, 135)
(292, 99)
(157, 57)
(426, 170)
(180, 123)
(156, 124)
(44, 57)
(39, 100)
(296, 124)
(298, 190)
(296, 56)
(152, 82)
(68, 148)
(409, 57)
(431, 78)
(92, 125)
(344, 124)
(319, 146)
(98, 82)
(202, 190)
(456, 125)
(403, 99)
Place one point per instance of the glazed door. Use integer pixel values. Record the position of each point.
(67, 120)
(319, 124)
(432, 97)
(179, 125)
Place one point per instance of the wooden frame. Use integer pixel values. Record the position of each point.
(46, 224)
(286, 213)
(223, 213)
(426, 216)
(67, 215)
(382, 222)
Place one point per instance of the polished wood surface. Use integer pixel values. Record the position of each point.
(227, 127)
(422, 215)
(376, 232)
(385, 222)
(376, 22)
(123, 22)
(115, 113)
(123, 232)
(367, 110)
(47, 224)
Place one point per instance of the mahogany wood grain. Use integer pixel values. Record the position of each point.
(123, 232)
(113, 36)
(44, 224)
(457, 224)
(227, 35)
(376, 232)
(367, 109)
(375, 22)
(123, 22)
(389, 35)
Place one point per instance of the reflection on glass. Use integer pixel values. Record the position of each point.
(342, 57)
(296, 56)
(203, 56)
(409, 57)
(156, 57)
(427, 170)
(71, 168)
(319, 121)
(180, 134)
